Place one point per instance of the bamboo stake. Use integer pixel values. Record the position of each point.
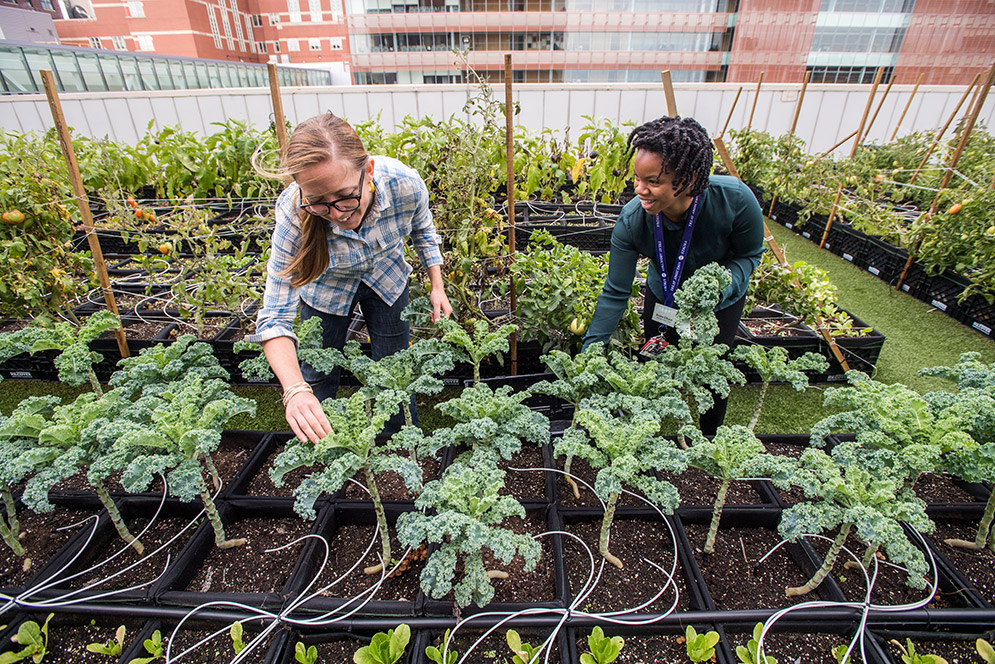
(877, 110)
(907, 105)
(775, 248)
(749, 123)
(849, 136)
(509, 133)
(83, 204)
(734, 102)
(853, 151)
(668, 88)
(278, 118)
(794, 125)
(939, 136)
(965, 134)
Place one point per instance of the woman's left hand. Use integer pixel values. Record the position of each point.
(440, 304)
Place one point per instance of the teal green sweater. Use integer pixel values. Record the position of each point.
(729, 231)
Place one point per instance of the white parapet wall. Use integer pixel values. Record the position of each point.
(828, 114)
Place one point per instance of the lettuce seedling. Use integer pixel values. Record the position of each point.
(33, 638)
(700, 647)
(749, 654)
(522, 652)
(435, 655)
(384, 648)
(849, 496)
(910, 656)
(112, 647)
(474, 347)
(494, 423)
(733, 453)
(623, 449)
(462, 512)
(773, 365)
(603, 650)
(349, 449)
(183, 429)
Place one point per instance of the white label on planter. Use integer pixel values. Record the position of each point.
(806, 235)
(828, 246)
(838, 378)
(789, 225)
(939, 305)
(906, 288)
(452, 382)
(982, 328)
(846, 256)
(258, 379)
(21, 374)
(873, 270)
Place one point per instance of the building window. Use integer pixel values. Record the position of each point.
(95, 42)
(293, 45)
(857, 40)
(257, 20)
(314, 7)
(852, 75)
(336, 43)
(274, 19)
(314, 44)
(869, 6)
(260, 47)
(294, 7)
(276, 47)
(135, 9)
(47, 5)
(144, 42)
(119, 43)
(212, 19)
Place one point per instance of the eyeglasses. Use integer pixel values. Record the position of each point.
(345, 204)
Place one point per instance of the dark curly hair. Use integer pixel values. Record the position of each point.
(684, 148)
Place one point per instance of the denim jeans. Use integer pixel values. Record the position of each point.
(388, 334)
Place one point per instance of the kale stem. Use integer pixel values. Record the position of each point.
(211, 468)
(713, 529)
(371, 484)
(9, 526)
(115, 514)
(985, 530)
(827, 565)
(759, 406)
(95, 384)
(606, 525)
(220, 540)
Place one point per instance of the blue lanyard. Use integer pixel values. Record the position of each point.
(661, 255)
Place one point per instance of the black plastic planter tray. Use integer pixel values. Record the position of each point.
(650, 643)
(978, 313)
(595, 239)
(800, 633)
(64, 646)
(335, 644)
(861, 353)
(967, 517)
(272, 653)
(886, 262)
(495, 646)
(848, 243)
(935, 639)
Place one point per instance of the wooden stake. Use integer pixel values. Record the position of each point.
(509, 132)
(734, 102)
(939, 136)
(278, 118)
(851, 135)
(83, 204)
(668, 88)
(907, 105)
(798, 106)
(878, 109)
(775, 248)
(853, 151)
(965, 134)
(749, 123)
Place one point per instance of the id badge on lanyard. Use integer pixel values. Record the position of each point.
(664, 312)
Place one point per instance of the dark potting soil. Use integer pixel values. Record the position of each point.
(529, 484)
(14, 325)
(494, 647)
(342, 651)
(698, 488)
(582, 469)
(210, 328)
(146, 572)
(765, 327)
(41, 540)
(955, 652)
(218, 649)
(636, 582)
(795, 494)
(939, 488)
(262, 485)
(639, 649)
(890, 587)
(811, 648)
(345, 548)
(390, 484)
(521, 586)
(246, 568)
(732, 576)
(67, 640)
(977, 566)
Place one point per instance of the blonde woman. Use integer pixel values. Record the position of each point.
(339, 242)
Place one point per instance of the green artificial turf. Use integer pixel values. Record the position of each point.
(917, 336)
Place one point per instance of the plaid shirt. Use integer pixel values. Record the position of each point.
(372, 254)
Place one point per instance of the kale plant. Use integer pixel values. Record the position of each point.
(462, 513)
(474, 347)
(624, 449)
(308, 334)
(773, 365)
(349, 449)
(164, 363)
(849, 496)
(733, 453)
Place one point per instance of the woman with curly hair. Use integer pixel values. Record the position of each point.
(682, 218)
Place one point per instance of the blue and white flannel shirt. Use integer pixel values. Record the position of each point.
(372, 254)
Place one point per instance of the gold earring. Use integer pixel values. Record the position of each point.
(372, 188)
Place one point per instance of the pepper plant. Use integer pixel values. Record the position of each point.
(773, 365)
(349, 448)
(462, 513)
(624, 449)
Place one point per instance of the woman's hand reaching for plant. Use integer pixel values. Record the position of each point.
(306, 418)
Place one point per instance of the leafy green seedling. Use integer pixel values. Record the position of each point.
(235, 633)
(435, 654)
(748, 654)
(384, 648)
(113, 647)
(154, 647)
(700, 647)
(840, 654)
(34, 641)
(305, 654)
(474, 347)
(985, 650)
(523, 653)
(603, 650)
(910, 656)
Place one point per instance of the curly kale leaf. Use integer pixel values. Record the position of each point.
(474, 347)
(696, 300)
(165, 363)
(733, 453)
(577, 377)
(969, 372)
(494, 422)
(308, 334)
(773, 364)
